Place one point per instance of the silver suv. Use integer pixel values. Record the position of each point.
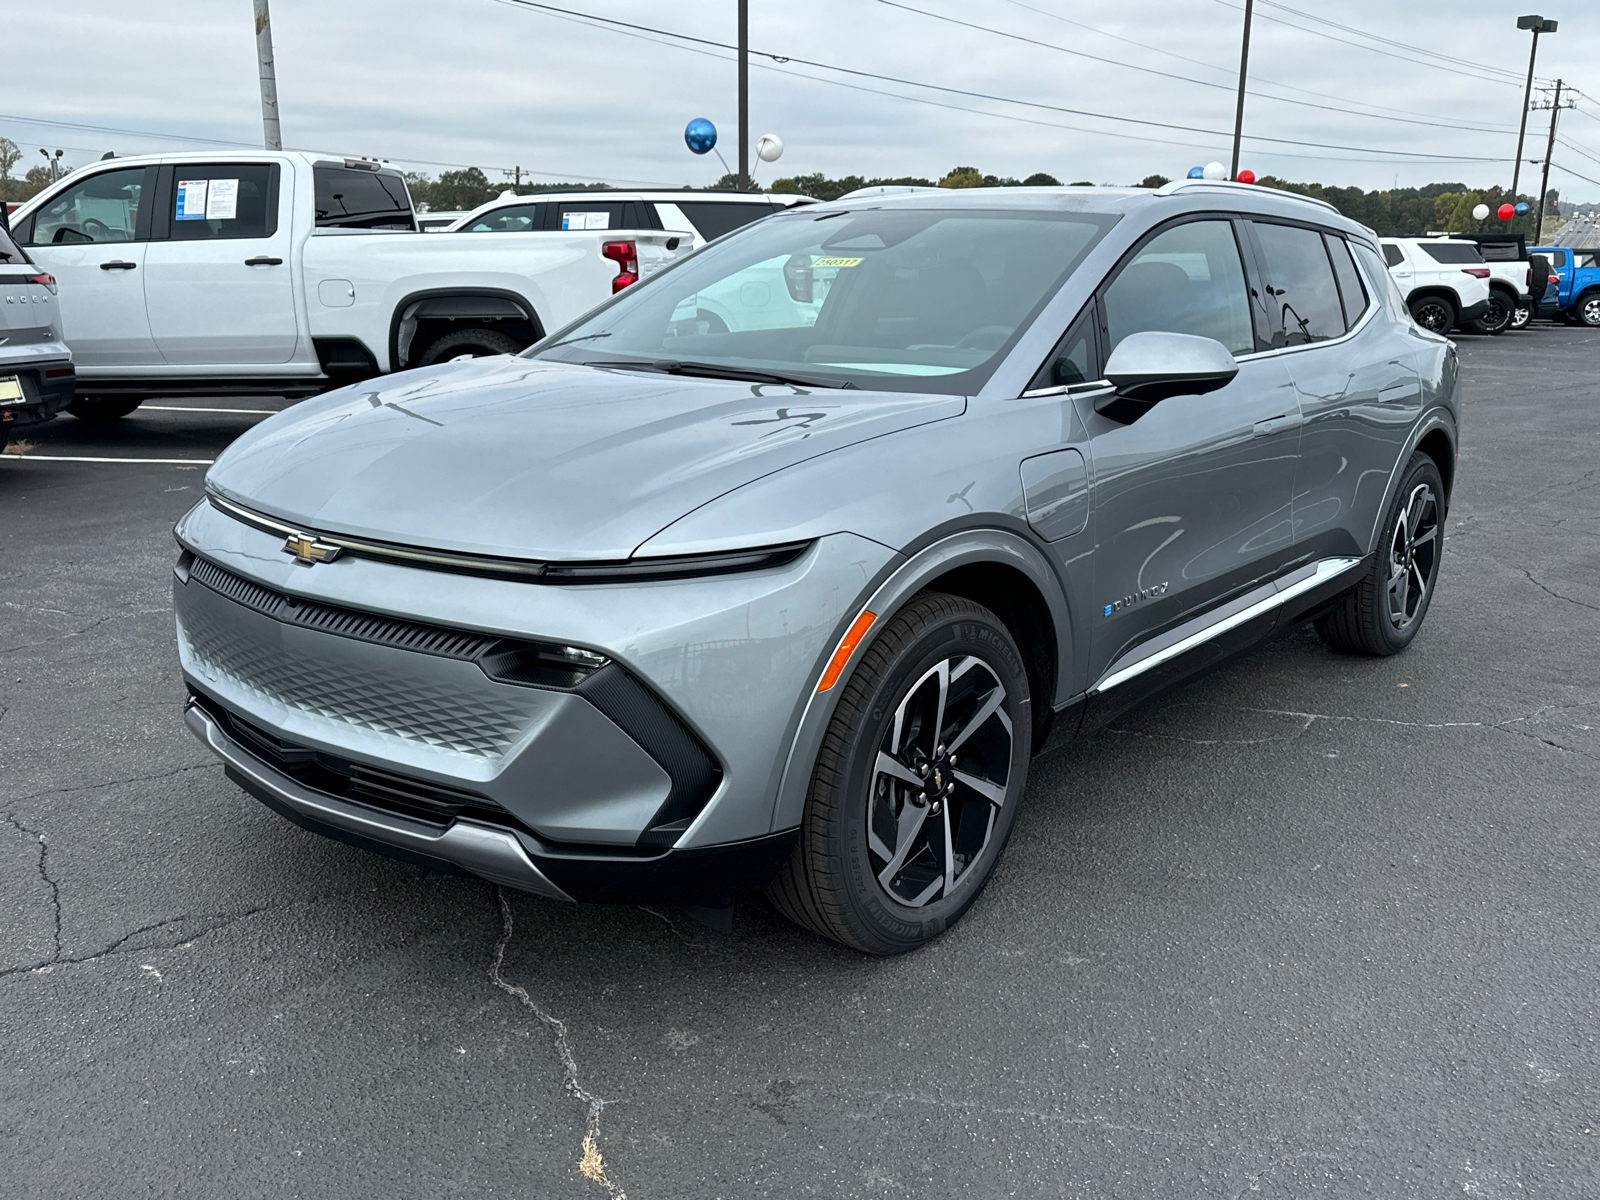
(36, 373)
(664, 611)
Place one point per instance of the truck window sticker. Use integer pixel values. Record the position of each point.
(586, 220)
(191, 200)
(222, 200)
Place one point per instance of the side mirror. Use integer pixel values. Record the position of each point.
(1147, 368)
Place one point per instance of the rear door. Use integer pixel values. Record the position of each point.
(218, 279)
(93, 239)
(1401, 268)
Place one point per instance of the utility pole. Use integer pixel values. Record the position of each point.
(1550, 148)
(1244, 65)
(269, 78)
(744, 94)
(1538, 25)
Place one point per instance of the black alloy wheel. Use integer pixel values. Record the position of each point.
(1498, 319)
(918, 782)
(1434, 313)
(1381, 615)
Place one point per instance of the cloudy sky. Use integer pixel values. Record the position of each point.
(498, 84)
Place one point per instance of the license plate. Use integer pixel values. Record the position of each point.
(10, 388)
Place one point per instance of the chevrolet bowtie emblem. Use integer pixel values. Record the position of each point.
(308, 550)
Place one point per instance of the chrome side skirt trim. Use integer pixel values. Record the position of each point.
(1214, 624)
(487, 852)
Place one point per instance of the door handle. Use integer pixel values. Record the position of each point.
(261, 260)
(1275, 424)
(117, 265)
(1396, 392)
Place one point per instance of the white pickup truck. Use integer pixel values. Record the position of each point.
(286, 273)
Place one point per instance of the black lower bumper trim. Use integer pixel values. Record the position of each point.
(706, 875)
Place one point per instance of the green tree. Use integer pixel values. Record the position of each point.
(9, 154)
(460, 190)
(962, 177)
(1154, 181)
(1041, 179)
(1081, 183)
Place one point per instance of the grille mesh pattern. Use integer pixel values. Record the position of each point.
(358, 693)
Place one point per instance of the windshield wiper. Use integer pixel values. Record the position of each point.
(582, 337)
(707, 370)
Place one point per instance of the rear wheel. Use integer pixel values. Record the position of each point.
(101, 408)
(1498, 318)
(1433, 313)
(1522, 315)
(468, 343)
(1382, 613)
(917, 783)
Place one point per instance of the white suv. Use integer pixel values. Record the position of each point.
(1444, 280)
(706, 215)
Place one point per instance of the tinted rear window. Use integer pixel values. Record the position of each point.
(713, 219)
(8, 249)
(358, 199)
(1392, 256)
(1452, 252)
(1305, 296)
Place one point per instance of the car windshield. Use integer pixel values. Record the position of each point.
(919, 299)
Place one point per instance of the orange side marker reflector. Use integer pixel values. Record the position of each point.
(858, 630)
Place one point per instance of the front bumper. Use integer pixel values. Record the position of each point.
(582, 777)
(47, 388)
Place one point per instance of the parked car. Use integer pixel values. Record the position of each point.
(1444, 281)
(36, 375)
(706, 215)
(1510, 279)
(654, 615)
(1577, 283)
(286, 273)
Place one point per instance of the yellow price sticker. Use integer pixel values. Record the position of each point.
(837, 262)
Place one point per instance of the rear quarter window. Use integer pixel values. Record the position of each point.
(713, 218)
(1392, 256)
(1452, 252)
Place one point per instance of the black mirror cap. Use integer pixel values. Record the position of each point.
(1151, 389)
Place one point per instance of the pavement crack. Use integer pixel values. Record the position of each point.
(120, 946)
(591, 1163)
(43, 867)
(95, 624)
(1550, 591)
(90, 787)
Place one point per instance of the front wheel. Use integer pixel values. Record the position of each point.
(1382, 613)
(1434, 313)
(1522, 314)
(101, 408)
(917, 783)
(1588, 310)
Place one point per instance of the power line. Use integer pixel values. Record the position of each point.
(1017, 37)
(1573, 173)
(937, 87)
(1260, 79)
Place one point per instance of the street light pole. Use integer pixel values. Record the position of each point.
(273, 136)
(1538, 25)
(1244, 64)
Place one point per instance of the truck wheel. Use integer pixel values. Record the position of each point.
(101, 408)
(1498, 318)
(468, 343)
(1588, 310)
(1433, 313)
(1522, 316)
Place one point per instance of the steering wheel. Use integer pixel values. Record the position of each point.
(97, 230)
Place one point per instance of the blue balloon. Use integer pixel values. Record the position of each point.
(700, 135)
(1197, 172)
(1521, 209)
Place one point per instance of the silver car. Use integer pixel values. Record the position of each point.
(664, 611)
(36, 372)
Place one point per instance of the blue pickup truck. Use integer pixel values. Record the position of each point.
(1579, 272)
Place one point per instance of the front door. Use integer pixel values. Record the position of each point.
(219, 276)
(91, 237)
(1192, 502)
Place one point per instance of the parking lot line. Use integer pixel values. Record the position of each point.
(257, 412)
(181, 462)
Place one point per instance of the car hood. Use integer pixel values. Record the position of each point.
(539, 460)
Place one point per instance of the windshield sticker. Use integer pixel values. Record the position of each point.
(222, 200)
(586, 220)
(837, 262)
(191, 200)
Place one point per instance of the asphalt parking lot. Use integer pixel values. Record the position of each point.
(1315, 926)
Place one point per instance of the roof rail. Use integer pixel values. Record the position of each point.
(1185, 185)
(885, 189)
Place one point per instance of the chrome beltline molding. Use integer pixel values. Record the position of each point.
(1141, 659)
(487, 852)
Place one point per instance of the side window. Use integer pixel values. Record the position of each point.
(355, 198)
(1382, 282)
(103, 208)
(1350, 289)
(714, 218)
(223, 200)
(1305, 299)
(1187, 279)
(585, 215)
(1074, 359)
(1559, 257)
(517, 218)
(1392, 256)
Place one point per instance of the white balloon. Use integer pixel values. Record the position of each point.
(1215, 171)
(769, 148)
(1480, 212)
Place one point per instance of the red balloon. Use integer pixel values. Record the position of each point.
(1247, 176)
(1507, 212)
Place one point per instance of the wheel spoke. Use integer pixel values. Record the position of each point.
(1423, 539)
(888, 764)
(907, 828)
(990, 706)
(994, 793)
(1422, 584)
